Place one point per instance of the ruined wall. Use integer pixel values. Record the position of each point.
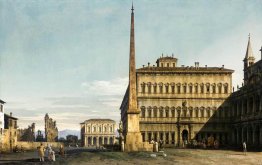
(51, 131)
(27, 134)
(34, 145)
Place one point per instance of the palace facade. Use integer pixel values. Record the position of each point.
(97, 132)
(178, 104)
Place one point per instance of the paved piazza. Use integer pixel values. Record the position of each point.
(174, 156)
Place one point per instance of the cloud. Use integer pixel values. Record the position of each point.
(114, 87)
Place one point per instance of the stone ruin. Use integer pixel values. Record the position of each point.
(51, 131)
(27, 134)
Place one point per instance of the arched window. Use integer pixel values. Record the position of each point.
(208, 87)
(155, 87)
(196, 88)
(155, 111)
(105, 129)
(149, 111)
(167, 112)
(111, 129)
(173, 88)
(184, 88)
(161, 113)
(173, 112)
(160, 88)
(219, 88)
(149, 87)
(94, 129)
(89, 129)
(196, 110)
(226, 88)
(190, 88)
(202, 88)
(202, 111)
(167, 88)
(178, 88)
(143, 87)
(143, 112)
(100, 129)
(214, 88)
(208, 112)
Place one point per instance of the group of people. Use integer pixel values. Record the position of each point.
(48, 152)
(157, 145)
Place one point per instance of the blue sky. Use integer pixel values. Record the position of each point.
(70, 58)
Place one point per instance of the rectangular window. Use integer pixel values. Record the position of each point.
(143, 88)
(167, 64)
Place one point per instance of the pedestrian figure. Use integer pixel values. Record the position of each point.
(160, 144)
(122, 146)
(62, 151)
(41, 151)
(52, 156)
(156, 146)
(245, 148)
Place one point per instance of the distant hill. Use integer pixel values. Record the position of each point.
(66, 132)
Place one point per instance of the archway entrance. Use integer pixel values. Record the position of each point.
(185, 135)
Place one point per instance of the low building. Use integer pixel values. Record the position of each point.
(97, 132)
(10, 132)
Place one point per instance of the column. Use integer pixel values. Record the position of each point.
(254, 105)
(190, 132)
(170, 138)
(242, 112)
(253, 135)
(178, 135)
(92, 140)
(146, 137)
(164, 137)
(157, 135)
(238, 134)
(260, 134)
(103, 140)
(85, 141)
(108, 139)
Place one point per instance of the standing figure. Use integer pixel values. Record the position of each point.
(52, 156)
(41, 151)
(62, 151)
(245, 148)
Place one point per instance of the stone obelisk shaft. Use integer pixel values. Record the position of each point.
(132, 104)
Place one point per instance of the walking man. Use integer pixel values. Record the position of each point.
(41, 151)
(245, 148)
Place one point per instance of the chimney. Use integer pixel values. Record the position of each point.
(11, 114)
(197, 65)
(148, 64)
(143, 66)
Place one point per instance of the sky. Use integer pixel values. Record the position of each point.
(70, 58)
